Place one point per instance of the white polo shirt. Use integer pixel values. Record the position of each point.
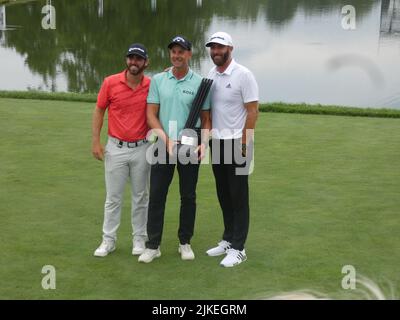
(229, 92)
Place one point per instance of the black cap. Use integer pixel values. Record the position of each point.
(137, 49)
(181, 41)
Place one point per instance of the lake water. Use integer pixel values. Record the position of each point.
(299, 51)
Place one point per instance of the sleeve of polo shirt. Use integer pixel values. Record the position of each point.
(154, 95)
(102, 98)
(249, 87)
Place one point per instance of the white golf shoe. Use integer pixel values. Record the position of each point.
(138, 247)
(148, 255)
(186, 252)
(220, 249)
(106, 247)
(233, 258)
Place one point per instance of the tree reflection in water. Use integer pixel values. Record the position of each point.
(91, 36)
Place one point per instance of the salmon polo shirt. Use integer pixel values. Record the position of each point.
(126, 107)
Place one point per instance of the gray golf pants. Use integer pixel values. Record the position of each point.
(123, 164)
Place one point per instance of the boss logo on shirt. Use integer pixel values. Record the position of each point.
(188, 92)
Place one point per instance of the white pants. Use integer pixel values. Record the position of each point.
(123, 164)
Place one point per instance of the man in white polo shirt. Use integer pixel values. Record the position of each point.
(234, 112)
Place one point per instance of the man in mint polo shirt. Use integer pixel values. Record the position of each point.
(170, 100)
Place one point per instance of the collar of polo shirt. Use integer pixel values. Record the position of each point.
(229, 70)
(189, 75)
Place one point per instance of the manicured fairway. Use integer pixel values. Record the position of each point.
(325, 193)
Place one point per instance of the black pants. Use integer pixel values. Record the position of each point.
(232, 192)
(160, 180)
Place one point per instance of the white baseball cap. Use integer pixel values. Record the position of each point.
(221, 38)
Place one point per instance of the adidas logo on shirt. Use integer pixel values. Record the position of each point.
(229, 86)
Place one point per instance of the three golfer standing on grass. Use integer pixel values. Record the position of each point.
(234, 108)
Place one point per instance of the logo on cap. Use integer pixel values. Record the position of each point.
(181, 41)
(132, 49)
(222, 38)
(178, 39)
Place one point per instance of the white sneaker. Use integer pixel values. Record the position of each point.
(148, 255)
(106, 247)
(138, 247)
(186, 252)
(233, 258)
(220, 249)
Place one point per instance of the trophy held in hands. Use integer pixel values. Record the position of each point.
(190, 136)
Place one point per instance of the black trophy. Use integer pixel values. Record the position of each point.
(190, 136)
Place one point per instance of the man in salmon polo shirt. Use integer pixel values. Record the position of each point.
(124, 95)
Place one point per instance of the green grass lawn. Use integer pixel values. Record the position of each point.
(325, 193)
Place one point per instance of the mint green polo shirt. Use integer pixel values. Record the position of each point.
(175, 98)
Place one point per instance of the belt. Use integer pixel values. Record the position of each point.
(129, 144)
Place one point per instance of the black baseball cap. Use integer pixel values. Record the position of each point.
(181, 41)
(137, 49)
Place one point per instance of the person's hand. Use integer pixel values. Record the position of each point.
(244, 149)
(98, 151)
(201, 149)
